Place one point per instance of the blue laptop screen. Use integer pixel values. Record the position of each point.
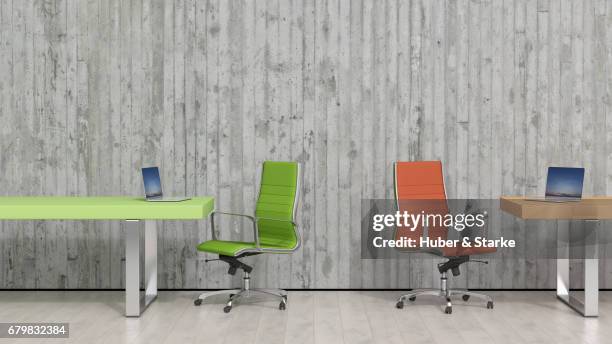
(152, 182)
(564, 182)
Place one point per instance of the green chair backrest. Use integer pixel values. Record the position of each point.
(276, 205)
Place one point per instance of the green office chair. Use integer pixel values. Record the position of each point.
(274, 230)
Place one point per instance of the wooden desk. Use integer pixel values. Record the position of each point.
(591, 209)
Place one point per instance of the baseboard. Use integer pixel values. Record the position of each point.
(292, 289)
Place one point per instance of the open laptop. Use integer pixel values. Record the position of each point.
(563, 184)
(153, 189)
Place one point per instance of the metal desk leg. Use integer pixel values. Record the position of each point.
(588, 308)
(150, 261)
(591, 269)
(134, 304)
(563, 250)
(132, 269)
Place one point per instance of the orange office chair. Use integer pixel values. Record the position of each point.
(419, 187)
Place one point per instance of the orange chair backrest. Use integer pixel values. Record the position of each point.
(419, 189)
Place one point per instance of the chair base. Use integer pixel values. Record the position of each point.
(446, 293)
(244, 292)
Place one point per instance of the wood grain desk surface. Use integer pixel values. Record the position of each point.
(589, 208)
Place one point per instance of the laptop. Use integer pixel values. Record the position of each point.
(563, 184)
(153, 189)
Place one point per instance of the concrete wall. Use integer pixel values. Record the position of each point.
(92, 90)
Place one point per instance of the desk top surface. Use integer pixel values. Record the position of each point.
(102, 208)
(589, 208)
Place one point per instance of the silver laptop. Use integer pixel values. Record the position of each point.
(563, 184)
(152, 187)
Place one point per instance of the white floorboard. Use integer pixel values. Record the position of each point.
(311, 317)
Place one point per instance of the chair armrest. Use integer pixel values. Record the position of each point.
(233, 214)
(252, 218)
(279, 220)
(295, 226)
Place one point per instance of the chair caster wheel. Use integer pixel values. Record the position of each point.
(412, 298)
(448, 310)
(282, 305)
(399, 305)
(465, 297)
(490, 305)
(197, 302)
(227, 309)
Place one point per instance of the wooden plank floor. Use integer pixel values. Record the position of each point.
(311, 317)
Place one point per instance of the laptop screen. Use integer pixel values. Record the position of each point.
(152, 182)
(564, 182)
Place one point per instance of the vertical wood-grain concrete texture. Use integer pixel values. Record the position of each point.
(90, 91)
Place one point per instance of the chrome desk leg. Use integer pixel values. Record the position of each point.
(134, 304)
(150, 261)
(563, 254)
(591, 269)
(588, 308)
(132, 269)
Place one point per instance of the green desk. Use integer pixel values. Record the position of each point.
(128, 209)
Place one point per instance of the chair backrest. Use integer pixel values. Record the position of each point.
(278, 195)
(419, 187)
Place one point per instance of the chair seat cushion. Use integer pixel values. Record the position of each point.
(226, 248)
(235, 248)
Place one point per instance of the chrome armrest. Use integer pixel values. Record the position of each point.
(252, 218)
(295, 228)
(279, 220)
